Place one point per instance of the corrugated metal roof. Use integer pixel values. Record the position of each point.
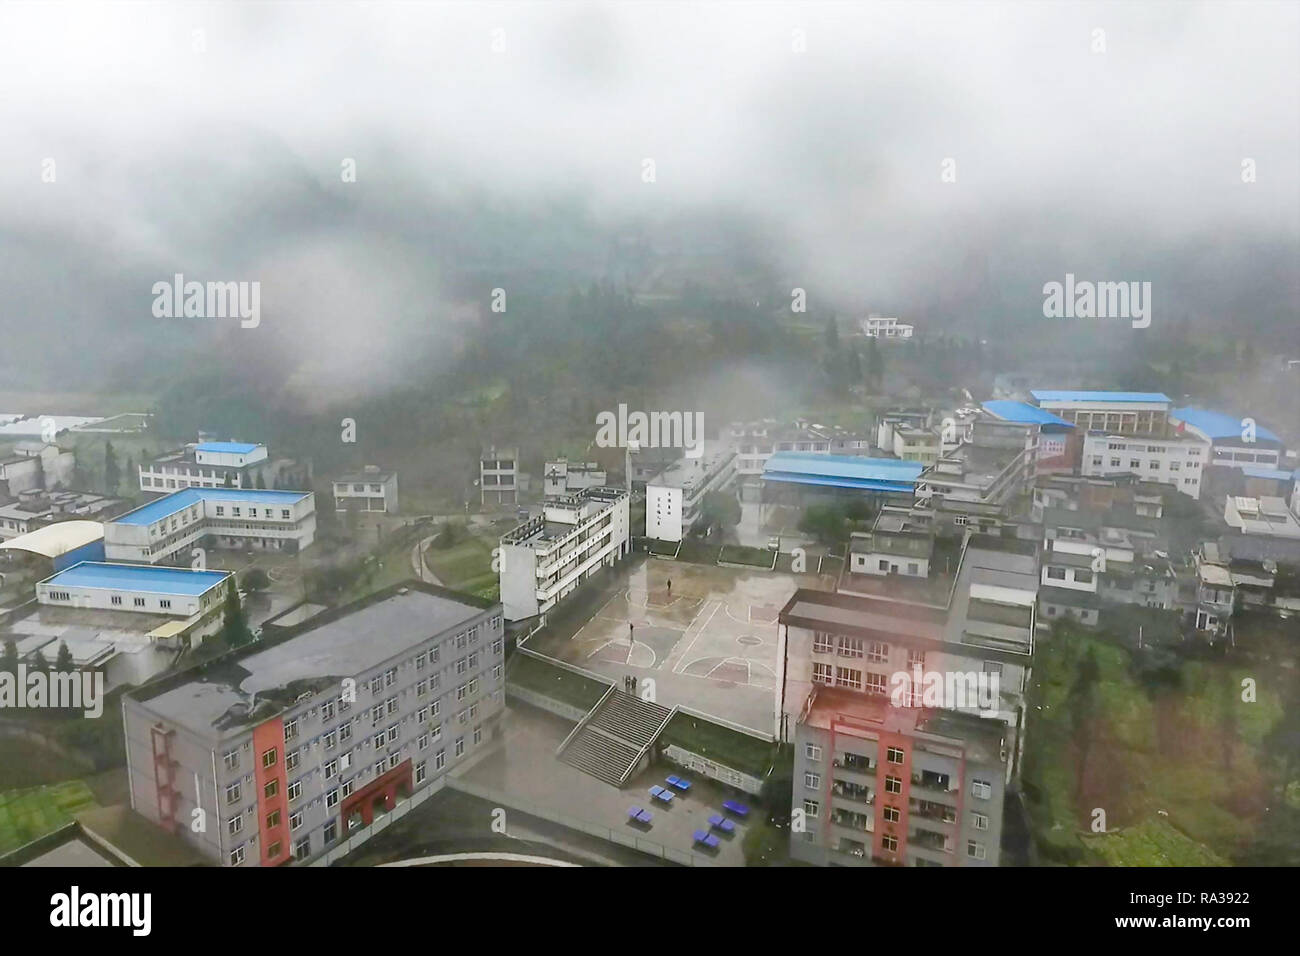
(1217, 425)
(1023, 412)
(138, 577)
(1052, 395)
(180, 500)
(843, 471)
(57, 539)
(227, 447)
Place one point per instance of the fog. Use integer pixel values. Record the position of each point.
(209, 140)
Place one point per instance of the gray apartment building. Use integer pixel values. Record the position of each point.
(288, 750)
(890, 786)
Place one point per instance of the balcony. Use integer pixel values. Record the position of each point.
(860, 822)
(854, 792)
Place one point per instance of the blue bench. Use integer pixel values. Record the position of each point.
(708, 839)
(637, 815)
(739, 809)
(679, 782)
(722, 823)
(659, 793)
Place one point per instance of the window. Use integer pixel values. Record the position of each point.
(823, 643)
(291, 760)
(268, 758)
(327, 710)
(894, 755)
(979, 821)
(847, 677)
(332, 799)
(329, 740)
(273, 850)
(231, 759)
(981, 789)
(877, 683)
(812, 781)
(420, 660)
(889, 843)
(893, 785)
(139, 602)
(812, 751)
(420, 772)
(232, 793)
(295, 790)
(975, 850)
(273, 821)
(331, 832)
(390, 677)
(376, 685)
(1056, 574)
(823, 674)
(235, 825)
(295, 820)
(439, 759)
(302, 848)
(331, 769)
(851, 646)
(812, 809)
(915, 659)
(891, 814)
(460, 746)
(237, 856)
(116, 599)
(878, 652)
(271, 788)
(992, 667)
(291, 729)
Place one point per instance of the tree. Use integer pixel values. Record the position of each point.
(63, 661)
(228, 482)
(832, 336)
(826, 523)
(255, 579)
(234, 628)
(39, 663)
(112, 473)
(9, 660)
(130, 473)
(720, 510)
(875, 364)
(261, 482)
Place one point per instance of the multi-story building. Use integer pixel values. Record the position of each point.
(208, 464)
(673, 498)
(883, 327)
(167, 529)
(981, 482)
(371, 489)
(498, 476)
(293, 746)
(1118, 413)
(974, 614)
(1058, 441)
(756, 442)
(1236, 442)
(1176, 461)
(564, 477)
(38, 509)
(896, 786)
(549, 556)
(136, 588)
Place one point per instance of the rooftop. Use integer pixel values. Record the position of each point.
(227, 447)
(180, 500)
(1052, 395)
(57, 539)
(1023, 412)
(843, 471)
(256, 682)
(1216, 425)
(153, 579)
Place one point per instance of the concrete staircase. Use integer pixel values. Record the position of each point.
(613, 737)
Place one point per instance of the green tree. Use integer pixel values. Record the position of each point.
(112, 472)
(261, 482)
(826, 523)
(875, 363)
(234, 628)
(228, 481)
(9, 659)
(720, 510)
(255, 579)
(39, 663)
(63, 660)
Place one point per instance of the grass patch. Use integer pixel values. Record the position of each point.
(555, 682)
(463, 566)
(751, 557)
(26, 815)
(1151, 843)
(734, 749)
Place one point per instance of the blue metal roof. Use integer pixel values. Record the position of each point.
(180, 500)
(1051, 395)
(138, 577)
(226, 447)
(1218, 425)
(843, 471)
(1254, 471)
(1023, 412)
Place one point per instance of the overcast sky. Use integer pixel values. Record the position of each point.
(217, 153)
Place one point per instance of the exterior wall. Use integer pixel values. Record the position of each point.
(230, 459)
(868, 562)
(1120, 418)
(23, 474)
(177, 605)
(663, 513)
(422, 728)
(213, 522)
(1166, 461)
(366, 494)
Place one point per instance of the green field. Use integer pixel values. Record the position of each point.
(734, 749)
(1176, 763)
(555, 682)
(26, 815)
(466, 566)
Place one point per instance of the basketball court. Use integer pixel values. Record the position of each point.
(707, 636)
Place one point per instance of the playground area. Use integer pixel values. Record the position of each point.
(706, 636)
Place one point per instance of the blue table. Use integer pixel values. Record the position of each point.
(659, 793)
(722, 823)
(739, 809)
(708, 839)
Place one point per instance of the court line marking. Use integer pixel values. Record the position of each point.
(687, 648)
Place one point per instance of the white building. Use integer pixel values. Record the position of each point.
(139, 588)
(883, 327)
(673, 499)
(498, 476)
(1168, 461)
(549, 556)
(564, 477)
(210, 464)
(369, 490)
(1120, 413)
(1260, 516)
(168, 529)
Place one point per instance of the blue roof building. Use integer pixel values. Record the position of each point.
(843, 471)
(1219, 426)
(1023, 413)
(141, 588)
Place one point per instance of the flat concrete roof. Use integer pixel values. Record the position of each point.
(254, 684)
(180, 500)
(144, 578)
